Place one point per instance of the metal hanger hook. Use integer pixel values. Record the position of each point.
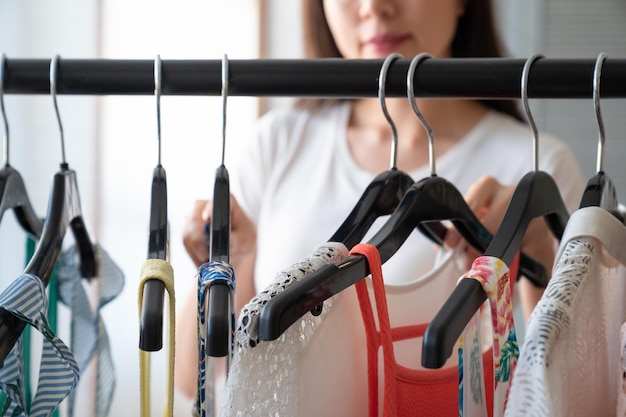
(411, 95)
(597, 74)
(531, 121)
(4, 115)
(382, 79)
(157, 95)
(224, 99)
(54, 67)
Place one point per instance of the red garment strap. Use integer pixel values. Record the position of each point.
(376, 338)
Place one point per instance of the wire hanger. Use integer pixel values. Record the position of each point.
(600, 191)
(151, 323)
(64, 211)
(13, 193)
(219, 293)
(536, 195)
(432, 199)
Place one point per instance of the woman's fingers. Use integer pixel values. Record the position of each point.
(193, 232)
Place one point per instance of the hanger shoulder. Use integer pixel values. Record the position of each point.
(439, 340)
(536, 195)
(48, 249)
(218, 309)
(600, 192)
(13, 195)
(157, 239)
(151, 323)
(380, 198)
(220, 219)
(432, 199)
(302, 296)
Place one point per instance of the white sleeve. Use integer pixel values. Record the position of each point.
(251, 166)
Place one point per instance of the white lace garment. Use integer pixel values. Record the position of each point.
(263, 379)
(569, 364)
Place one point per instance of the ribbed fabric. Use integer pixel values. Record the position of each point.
(210, 273)
(407, 392)
(160, 270)
(25, 298)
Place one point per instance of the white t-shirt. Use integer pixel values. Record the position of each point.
(570, 362)
(298, 181)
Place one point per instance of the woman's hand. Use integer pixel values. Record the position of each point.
(242, 237)
(193, 232)
(489, 200)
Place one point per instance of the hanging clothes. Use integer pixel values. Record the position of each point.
(160, 270)
(209, 273)
(497, 281)
(88, 333)
(52, 319)
(327, 355)
(571, 362)
(25, 298)
(300, 373)
(405, 391)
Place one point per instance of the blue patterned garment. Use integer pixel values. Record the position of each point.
(25, 298)
(88, 333)
(210, 273)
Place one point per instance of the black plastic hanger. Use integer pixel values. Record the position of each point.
(600, 191)
(13, 193)
(63, 211)
(151, 323)
(218, 332)
(385, 191)
(536, 195)
(431, 199)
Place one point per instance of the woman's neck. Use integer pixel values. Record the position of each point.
(369, 134)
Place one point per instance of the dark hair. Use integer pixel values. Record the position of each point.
(475, 37)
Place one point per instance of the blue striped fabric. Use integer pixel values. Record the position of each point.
(88, 333)
(209, 273)
(25, 298)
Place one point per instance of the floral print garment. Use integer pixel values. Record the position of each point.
(495, 278)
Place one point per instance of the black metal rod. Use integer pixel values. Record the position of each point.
(487, 78)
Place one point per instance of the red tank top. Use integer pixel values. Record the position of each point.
(407, 392)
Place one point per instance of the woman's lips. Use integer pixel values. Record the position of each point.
(385, 43)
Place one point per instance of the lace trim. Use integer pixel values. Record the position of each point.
(264, 381)
(246, 335)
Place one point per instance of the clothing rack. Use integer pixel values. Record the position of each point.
(477, 78)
